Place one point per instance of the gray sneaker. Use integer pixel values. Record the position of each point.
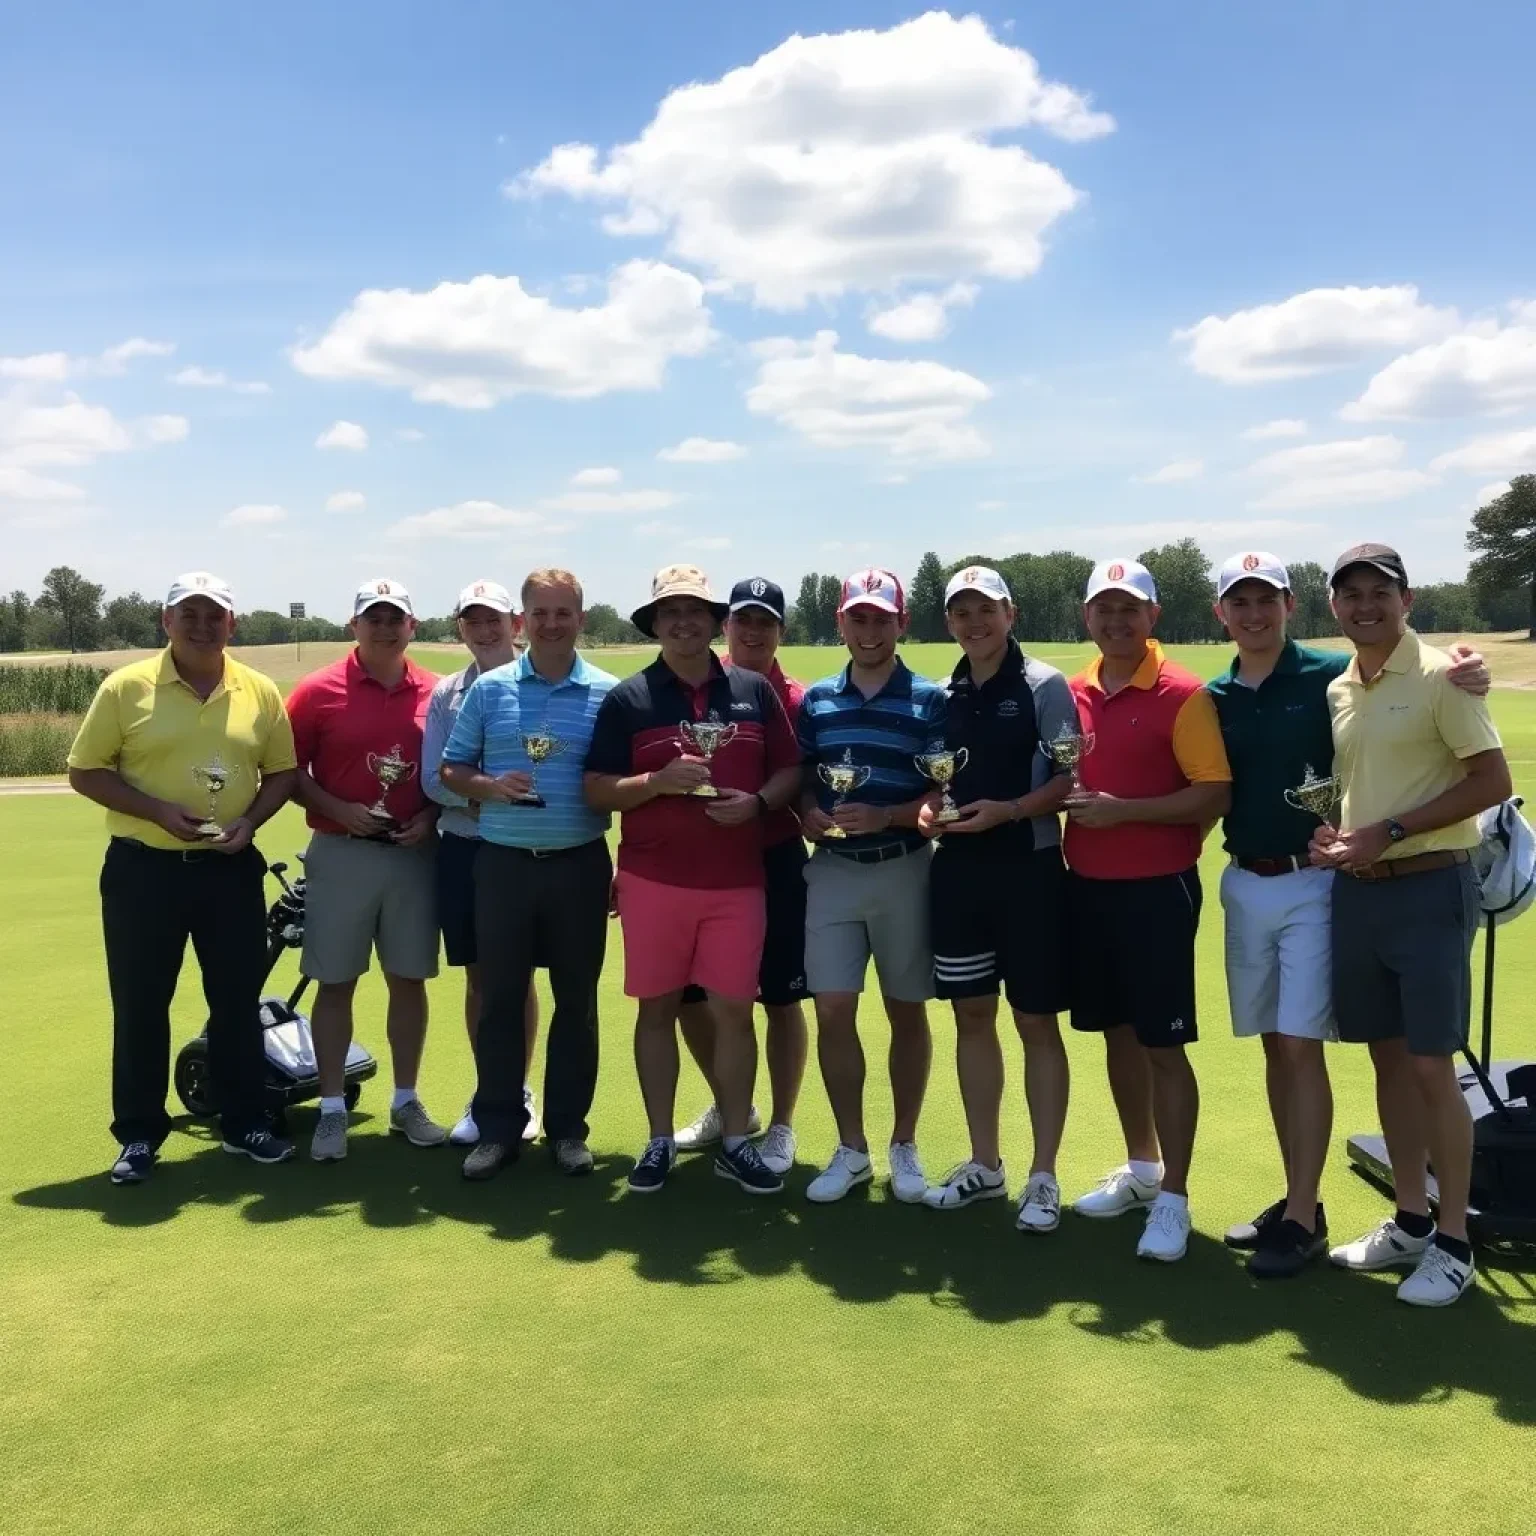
(572, 1156)
(413, 1122)
(485, 1159)
(330, 1139)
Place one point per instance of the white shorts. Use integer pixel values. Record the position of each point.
(1279, 970)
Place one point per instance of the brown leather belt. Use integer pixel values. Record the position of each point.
(1286, 866)
(1414, 864)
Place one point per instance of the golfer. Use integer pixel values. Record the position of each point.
(1419, 760)
(541, 878)
(357, 729)
(1157, 776)
(690, 881)
(754, 628)
(169, 744)
(1273, 707)
(488, 627)
(997, 892)
(867, 883)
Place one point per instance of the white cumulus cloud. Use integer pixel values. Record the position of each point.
(1285, 426)
(702, 450)
(1171, 474)
(345, 501)
(254, 515)
(195, 377)
(465, 520)
(924, 316)
(56, 367)
(598, 475)
(1311, 332)
(165, 429)
(910, 410)
(586, 501)
(344, 434)
(1349, 472)
(1506, 453)
(473, 344)
(855, 160)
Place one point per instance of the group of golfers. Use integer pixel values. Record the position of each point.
(1004, 833)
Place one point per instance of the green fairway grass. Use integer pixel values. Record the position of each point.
(375, 1346)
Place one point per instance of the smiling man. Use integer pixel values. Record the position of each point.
(1419, 760)
(154, 733)
(690, 880)
(1157, 776)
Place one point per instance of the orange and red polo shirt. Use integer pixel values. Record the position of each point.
(1153, 737)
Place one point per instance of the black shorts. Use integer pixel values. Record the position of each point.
(781, 971)
(998, 923)
(456, 896)
(1133, 955)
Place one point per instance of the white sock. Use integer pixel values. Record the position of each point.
(1148, 1173)
(1179, 1202)
(730, 1143)
(403, 1096)
(330, 1105)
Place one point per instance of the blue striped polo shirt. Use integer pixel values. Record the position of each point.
(883, 733)
(488, 734)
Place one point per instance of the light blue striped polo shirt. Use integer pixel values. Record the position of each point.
(488, 734)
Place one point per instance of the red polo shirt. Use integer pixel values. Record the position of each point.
(340, 714)
(1153, 737)
(670, 839)
(784, 824)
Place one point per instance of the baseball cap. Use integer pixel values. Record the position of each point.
(978, 578)
(675, 581)
(758, 592)
(484, 594)
(201, 584)
(1121, 576)
(873, 587)
(1252, 565)
(381, 591)
(1382, 556)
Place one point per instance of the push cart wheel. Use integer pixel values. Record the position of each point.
(194, 1084)
(352, 1095)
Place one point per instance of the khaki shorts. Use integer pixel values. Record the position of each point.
(855, 911)
(363, 896)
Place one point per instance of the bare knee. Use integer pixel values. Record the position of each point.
(976, 1015)
(906, 1017)
(1297, 1055)
(1168, 1061)
(1038, 1031)
(836, 1011)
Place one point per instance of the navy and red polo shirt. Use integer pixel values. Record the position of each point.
(669, 839)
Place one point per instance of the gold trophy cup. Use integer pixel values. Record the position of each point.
(842, 778)
(540, 747)
(941, 766)
(703, 738)
(1067, 749)
(389, 770)
(214, 777)
(1318, 796)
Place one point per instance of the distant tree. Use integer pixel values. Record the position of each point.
(132, 621)
(75, 603)
(829, 593)
(1047, 594)
(436, 631)
(15, 610)
(1503, 537)
(262, 626)
(802, 617)
(1183, 576)
(925, 599)
(607, 626)
(1446, 607)
(1313, 618)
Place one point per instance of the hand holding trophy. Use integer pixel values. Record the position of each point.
(703, 738)
(389, 769)
(842, 778)
(540, 747)
(941, 766)
(214, 777)
(1067, 749)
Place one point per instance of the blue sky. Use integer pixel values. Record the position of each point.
(1098, 275)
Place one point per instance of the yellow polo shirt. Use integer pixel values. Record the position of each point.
(1399, 740)
(150, 725)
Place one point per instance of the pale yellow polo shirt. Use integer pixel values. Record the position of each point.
(1399, 739)
(150, 725)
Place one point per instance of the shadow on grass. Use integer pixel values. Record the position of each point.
(701, 1231)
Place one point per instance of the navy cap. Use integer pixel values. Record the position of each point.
(758, 592)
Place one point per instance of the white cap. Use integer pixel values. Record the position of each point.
(381, 591)
(1252, 565)
(1121, 576)
(484, 594)
(978, 578)
(201, 584)
(873, 587)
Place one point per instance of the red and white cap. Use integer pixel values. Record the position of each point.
(484, 594)
(1121, 576)
(873, 588)
(1252, 565)
(201, 584)
(382, 590)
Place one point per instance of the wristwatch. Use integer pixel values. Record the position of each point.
(1396, 831)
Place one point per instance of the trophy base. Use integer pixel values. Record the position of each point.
(534, 802)
(210, 829)
(386, 824)
(705, 792)
(835, 832)
(947, 815)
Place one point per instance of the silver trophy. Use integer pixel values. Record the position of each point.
(842, 778)
(1319, 797)
(540, 747)
(389, 769)
(941, 766)
(1067, 749)
(703, 738)
(214, 777)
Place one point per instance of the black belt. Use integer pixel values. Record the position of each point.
(192, 855)
(1287, 865)
(546, 853)
(870, 855)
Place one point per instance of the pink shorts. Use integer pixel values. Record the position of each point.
(675, 934)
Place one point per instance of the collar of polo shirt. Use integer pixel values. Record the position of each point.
(166, 675)
(1145, 675)
(1405, 655)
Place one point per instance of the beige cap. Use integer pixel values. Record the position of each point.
(676, 581)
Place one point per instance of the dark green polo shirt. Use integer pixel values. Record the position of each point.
(1272, 734)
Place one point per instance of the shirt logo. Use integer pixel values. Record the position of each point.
(1116, 572)
(757, 586)
(741, 707)
(1396, 709)
(1008, 709)
(1251, 562)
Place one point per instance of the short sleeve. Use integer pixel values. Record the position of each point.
(301, 718)
(805, 727)
(1055, 707)
(1197, 741)
(936, 714)
(783, 750)
(609, 750)
(1463, 721)
(277, 750)
(99, 741)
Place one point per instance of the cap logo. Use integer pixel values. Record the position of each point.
(757, 586)
(479, 589)
(199, 581)
(1251, 562)
(873, 581)
(382, 589)
(971, 577)
(1116, 572)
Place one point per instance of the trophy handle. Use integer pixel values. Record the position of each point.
(962, 757)
(1087, 738)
